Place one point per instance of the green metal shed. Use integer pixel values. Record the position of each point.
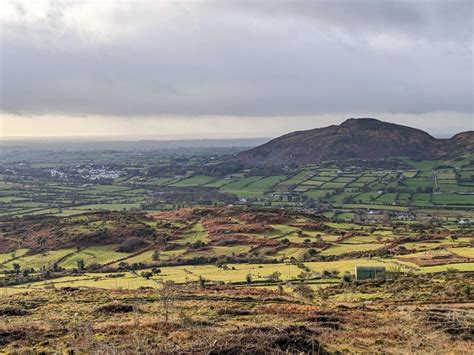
(369, 272)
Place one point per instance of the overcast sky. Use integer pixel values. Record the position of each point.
(233, 68)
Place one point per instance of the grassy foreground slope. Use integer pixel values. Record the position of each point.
(415, 314)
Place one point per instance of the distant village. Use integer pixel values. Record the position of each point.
(87, 173)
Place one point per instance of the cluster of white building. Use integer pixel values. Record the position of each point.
(57, 173)
(89, 173)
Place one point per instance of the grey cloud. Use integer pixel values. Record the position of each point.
(249, 59)
(435, 19)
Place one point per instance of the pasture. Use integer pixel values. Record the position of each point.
(417, 185)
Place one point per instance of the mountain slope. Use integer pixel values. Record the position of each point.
(362, 138)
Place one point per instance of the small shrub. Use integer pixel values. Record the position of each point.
(131, 244)
(115, 308)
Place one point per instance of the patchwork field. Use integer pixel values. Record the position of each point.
(88, 263)
(217, 244)
(408, 184)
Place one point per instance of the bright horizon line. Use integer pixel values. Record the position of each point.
(14, 127)
(128, 137)
(179, 137)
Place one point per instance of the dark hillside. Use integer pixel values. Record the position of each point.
(362, 138)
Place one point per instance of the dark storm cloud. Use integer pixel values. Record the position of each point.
(247, 58)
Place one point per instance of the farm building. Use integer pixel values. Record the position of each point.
(369, 272)
(372, 217)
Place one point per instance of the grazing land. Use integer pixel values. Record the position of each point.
(221, 268)
(185, 251)
(67, 183)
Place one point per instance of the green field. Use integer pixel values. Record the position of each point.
(235, 273)
(110, 207)
(452, 199)
(39, 261)
(162, 182)
(99, 255)
(196, 180)
(349, 248)
(265, 184)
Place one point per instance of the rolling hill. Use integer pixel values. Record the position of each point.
(356, 138)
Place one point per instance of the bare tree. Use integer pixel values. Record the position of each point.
(168, 295)
(304, 291)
